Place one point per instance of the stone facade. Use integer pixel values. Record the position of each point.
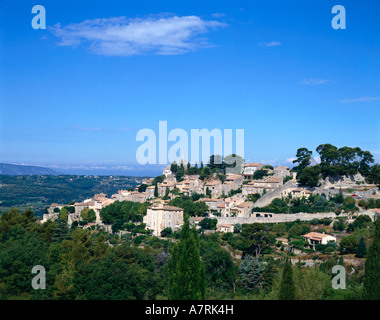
(281, 171)
(216, 188)
(160, 216)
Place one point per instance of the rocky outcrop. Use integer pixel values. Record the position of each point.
(342, 181)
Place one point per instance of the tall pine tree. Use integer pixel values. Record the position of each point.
(186, 272)
(372, 267)
(287, 288)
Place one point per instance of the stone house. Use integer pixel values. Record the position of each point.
(160, 216)
(300, 192)
(166, 184)
(195, 221)
(99, 205)
(79, 206)
(227, 207)
(271, 182)
(212, 203)
(189, 185)
(225, 227)
(258, 186)
(237, 179)
(253, 187)
(242, 209)
(216, 188)
(150, 191)
(314, 238)
(250, 168)
(281, 171)
(233, 182)
(100, 196)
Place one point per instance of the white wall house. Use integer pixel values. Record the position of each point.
(159, 217)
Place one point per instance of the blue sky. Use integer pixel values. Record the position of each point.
(74, 95)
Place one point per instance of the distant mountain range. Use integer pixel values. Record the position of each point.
(17, 170)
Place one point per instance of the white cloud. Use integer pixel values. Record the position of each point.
(361, 99)
(312, 81)
(270, 44)
(290, 160)
(121, 36)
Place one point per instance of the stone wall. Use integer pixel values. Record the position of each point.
(276, 218)
(266, 199)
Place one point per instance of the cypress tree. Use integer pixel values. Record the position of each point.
(186, 272)
(269, 275)
(372, 267)
(361, 249)
(287, 288)
(156, 190)
(166, 194)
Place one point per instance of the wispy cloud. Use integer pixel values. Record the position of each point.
(360, 99)
(314, 82)
(217, 15)
(270, 44)
(121, 36)
(270, 162)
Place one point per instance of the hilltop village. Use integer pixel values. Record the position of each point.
(259, 194)
(242, 230)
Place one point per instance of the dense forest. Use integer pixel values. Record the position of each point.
(91, 264)
(38, 192)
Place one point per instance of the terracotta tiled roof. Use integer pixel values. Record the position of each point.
(213, 183)
(166, 208)
(251, 164)
(245, 204)
(237, 176)
(274, 179)
(315, 235)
